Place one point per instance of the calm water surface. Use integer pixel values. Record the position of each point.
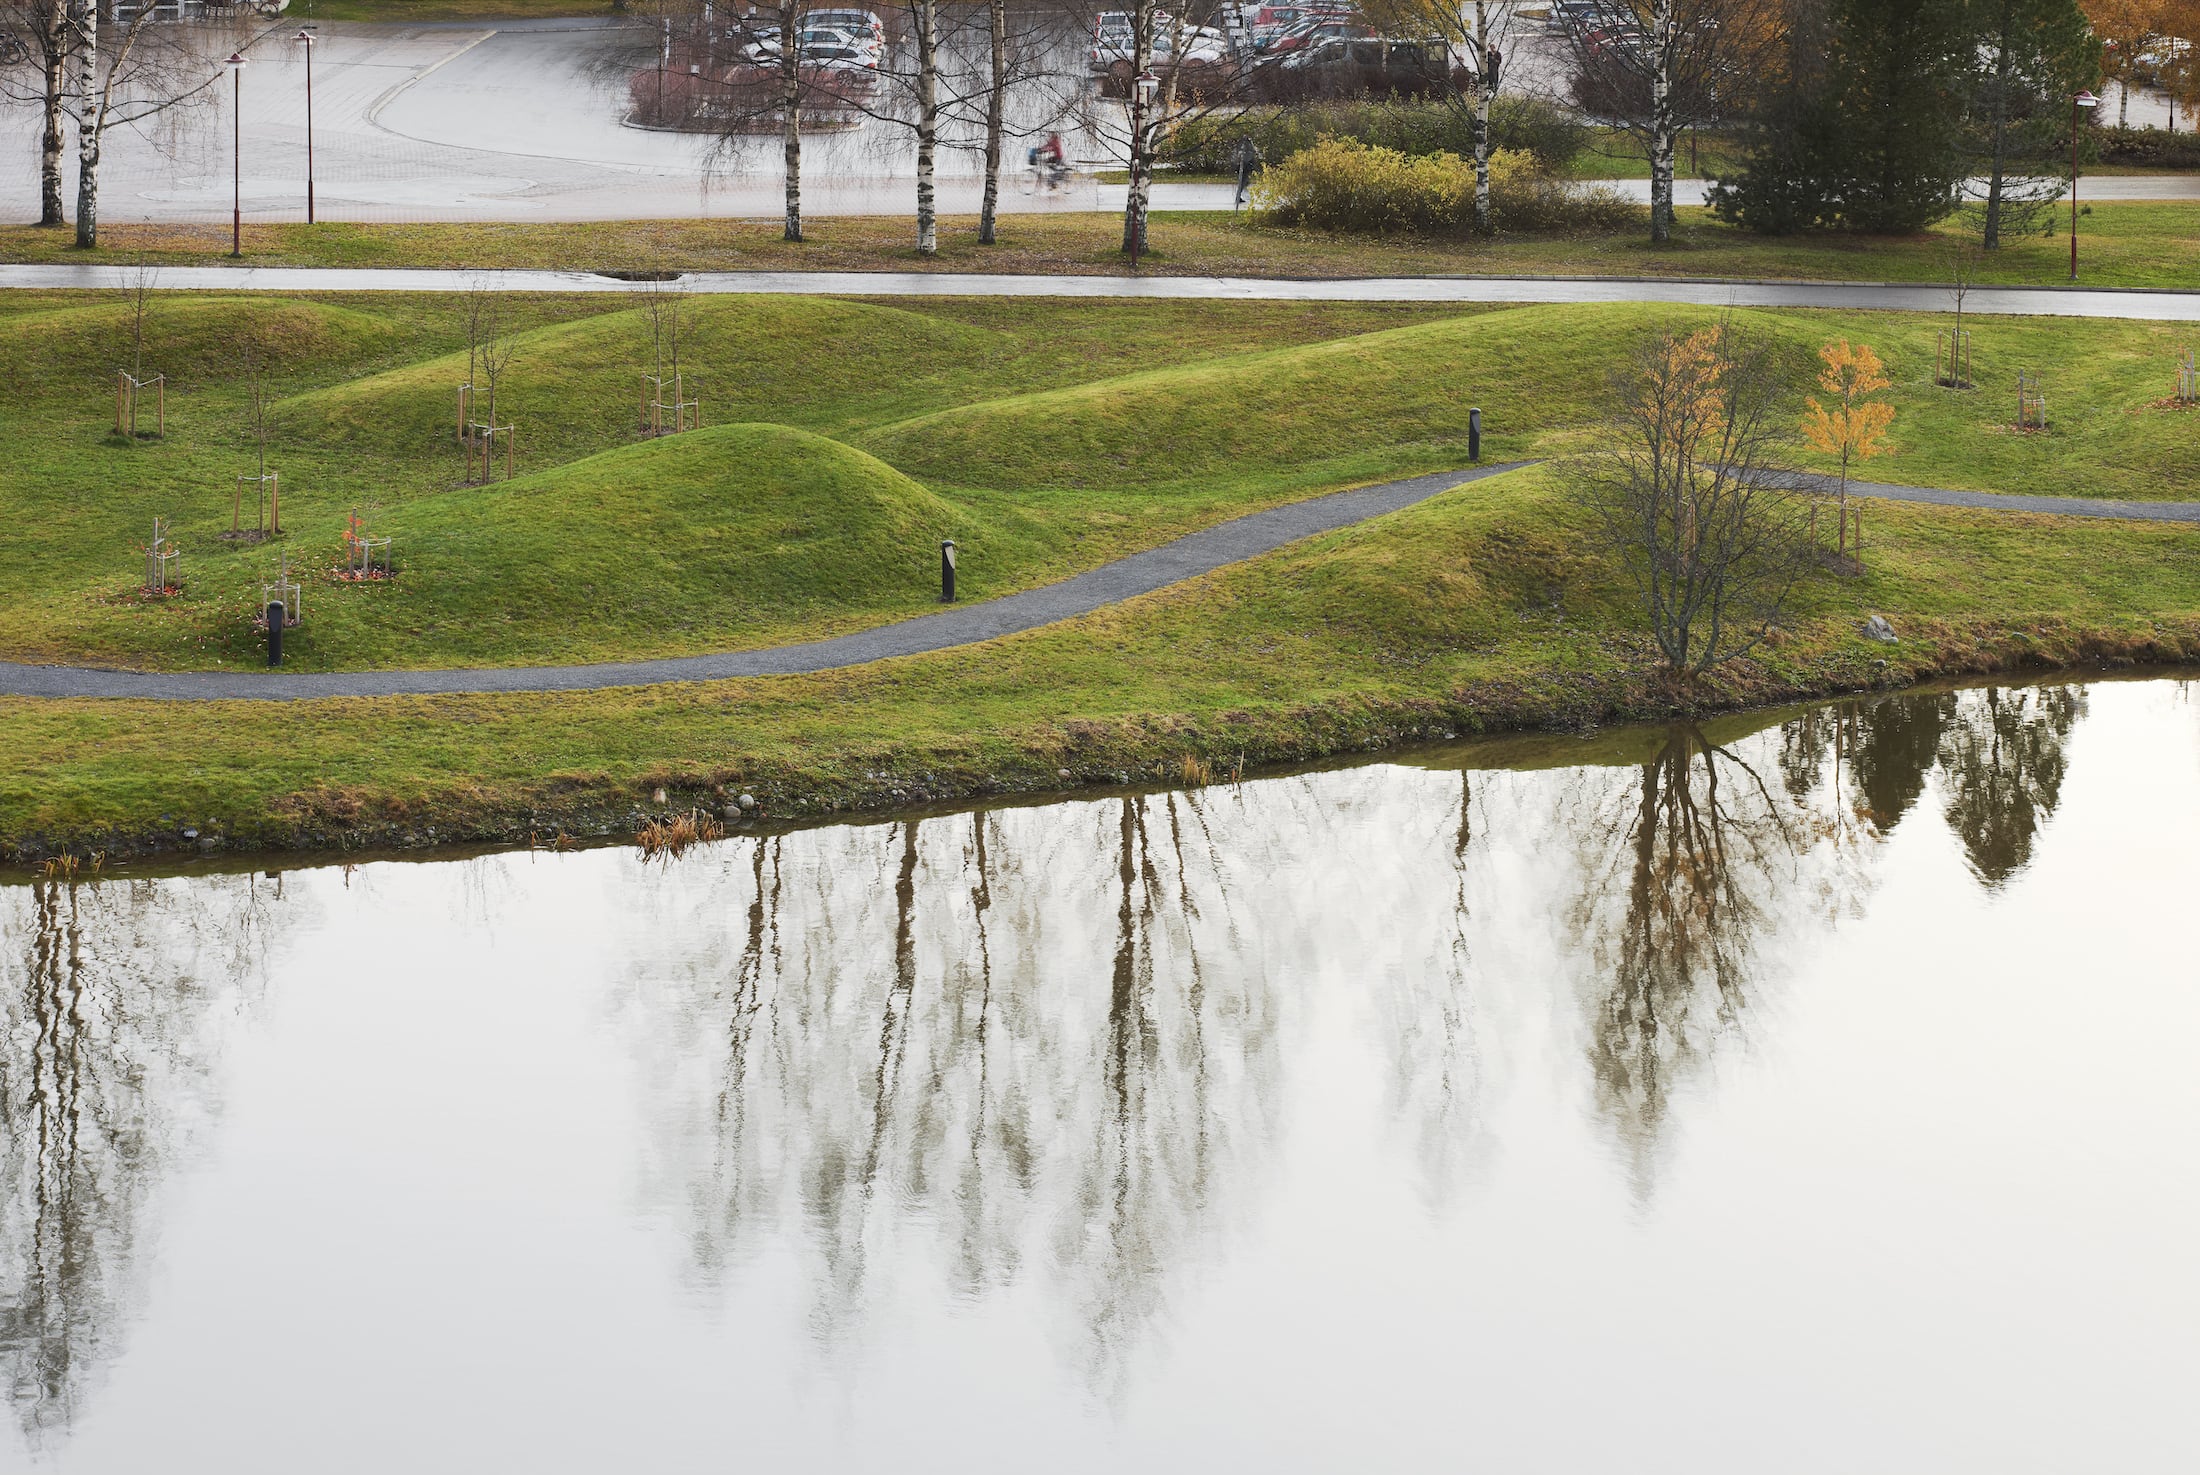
(1815, 1097)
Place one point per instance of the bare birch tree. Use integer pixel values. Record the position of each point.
(996, 108)
(924, 28)
(1689, 500)
(1672, 65)
(1478, 34)
(147, 70)
(137, 292)
(789, 25)
(38, 41)
(499, 341)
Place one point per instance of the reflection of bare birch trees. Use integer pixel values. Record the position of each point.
(1691, 863)
(1699, 874)
(1043, 1045)
(1028, 1045)
(114, 1003)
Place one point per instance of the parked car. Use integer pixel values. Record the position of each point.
(819, 46)
(864, 25)
(1314, 33)
(831, 48)
(1271, 22)
(1202, 46)
(1114, 38)
(1357, 66)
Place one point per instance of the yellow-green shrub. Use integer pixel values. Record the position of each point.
(1343, 184)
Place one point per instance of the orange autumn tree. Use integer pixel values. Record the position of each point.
(1855, 429)
(2129, 27)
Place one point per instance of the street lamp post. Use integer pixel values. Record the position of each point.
(2082, 100)
(236, 212)
(305, 39)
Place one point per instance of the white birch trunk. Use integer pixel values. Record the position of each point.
(790, 99)
(84, 17)
(1663, 136)
(996, 107)
(925, 13)
(53, 23)
(1140, 193)
(1483, 221)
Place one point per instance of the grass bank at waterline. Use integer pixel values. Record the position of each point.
(1477, 611)
(844, 439)
(2126, 244)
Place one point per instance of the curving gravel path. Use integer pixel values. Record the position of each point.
(2016, 502)
(963, 624)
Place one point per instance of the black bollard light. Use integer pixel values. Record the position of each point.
(1474, 435)
(276, 614)
(947, 570)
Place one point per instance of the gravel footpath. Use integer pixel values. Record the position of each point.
(963, 624)
(2013, 502)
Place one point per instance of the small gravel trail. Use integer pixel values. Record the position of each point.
(964, 624)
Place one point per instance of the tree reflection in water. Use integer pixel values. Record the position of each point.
(1695, 863)
(2003, 754)
(1428, 1015)
(1003, 1029)
(1689, 864)
(116, 999)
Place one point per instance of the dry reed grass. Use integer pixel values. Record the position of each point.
(670, 836)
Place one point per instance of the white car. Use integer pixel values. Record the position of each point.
(864, 25)
(1114, 39)
(1204, 46)
(823, 46)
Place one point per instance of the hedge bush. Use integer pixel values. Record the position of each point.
(1209, 145)
(1344, 185)
(2148, 148)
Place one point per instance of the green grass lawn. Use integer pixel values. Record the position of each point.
(846, 437)
(2126, 244)
(1476, 610)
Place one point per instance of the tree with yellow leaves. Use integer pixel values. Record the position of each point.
(2166, 29)
(1855, 429)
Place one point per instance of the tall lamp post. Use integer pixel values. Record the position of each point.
(305, 39)
(2082, 101)
(236, 211)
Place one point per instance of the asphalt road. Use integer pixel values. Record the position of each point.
(519, 120)
(2157, 306)
(1126, 578)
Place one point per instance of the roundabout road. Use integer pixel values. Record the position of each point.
(1126, 578)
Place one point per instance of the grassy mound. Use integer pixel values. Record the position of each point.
(1361, 406)
(1392, 402)
(735, 535)
(575, 387)
(191, 340)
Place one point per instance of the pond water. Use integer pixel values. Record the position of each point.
(1817, 1095)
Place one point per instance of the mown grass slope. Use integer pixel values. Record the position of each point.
(1045, 438)
(361, 420)
(1397, 401)
(1478, 609)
